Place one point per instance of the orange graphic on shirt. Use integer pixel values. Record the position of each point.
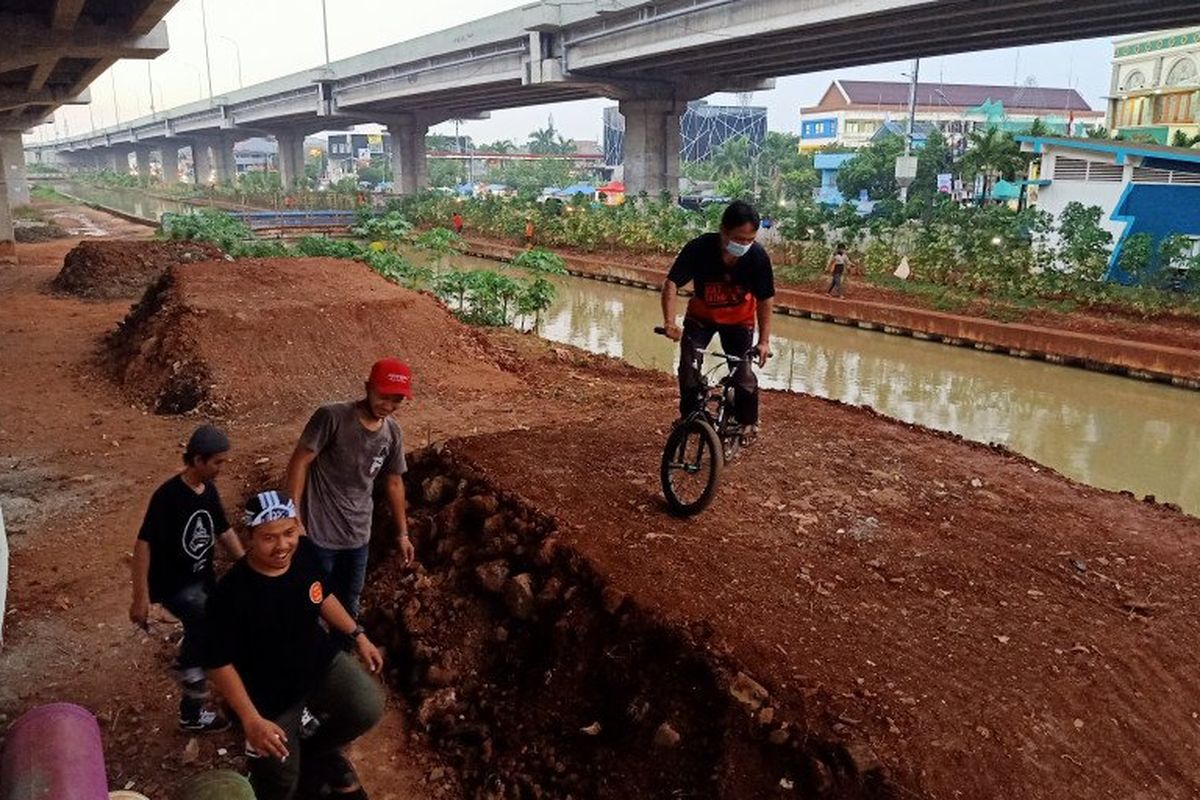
(724, 294)
(316, 593)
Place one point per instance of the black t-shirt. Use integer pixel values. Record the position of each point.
(723, 295)
(268, 628)
(181, 527)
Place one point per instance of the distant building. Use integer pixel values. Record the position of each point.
(257, 154)
(1141, 188)
(1156, 85)
(703, 129)
(349, 151)
(851, 113)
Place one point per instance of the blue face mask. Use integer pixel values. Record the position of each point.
(737, 250)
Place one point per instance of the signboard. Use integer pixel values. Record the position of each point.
(375, 142)
(945, 183)
(364, 155)
(906, 170)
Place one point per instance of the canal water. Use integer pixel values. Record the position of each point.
(1104, 430)
(130, 201)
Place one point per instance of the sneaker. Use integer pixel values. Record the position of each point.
(205, 722)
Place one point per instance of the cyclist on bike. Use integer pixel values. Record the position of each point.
(733, 284)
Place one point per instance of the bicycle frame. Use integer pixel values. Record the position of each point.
(716, 400)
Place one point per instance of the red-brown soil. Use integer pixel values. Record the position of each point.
(233, 337)
(931, 618)
(1172, 330)
(112, 269)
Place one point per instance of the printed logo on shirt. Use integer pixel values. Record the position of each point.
(723, 295)
(198, 535)
(316, 593)
(377, 461)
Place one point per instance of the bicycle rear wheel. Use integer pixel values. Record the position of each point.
(691, 464)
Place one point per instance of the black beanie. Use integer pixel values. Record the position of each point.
(207, 440)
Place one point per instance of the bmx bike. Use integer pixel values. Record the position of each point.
(703, 442)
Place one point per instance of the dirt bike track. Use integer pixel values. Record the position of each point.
(954, 620)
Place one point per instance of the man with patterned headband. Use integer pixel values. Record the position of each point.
(270, 658)
(344, 451)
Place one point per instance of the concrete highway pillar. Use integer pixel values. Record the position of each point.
(202, 166)
(291, 158)
(10, 171)
(118, 161)
(223, 163)
(12, 152)
(410, 172)
(169, 157)
(142, 155)
(652, 144)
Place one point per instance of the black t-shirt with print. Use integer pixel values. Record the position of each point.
(268, 628)
(181, 527)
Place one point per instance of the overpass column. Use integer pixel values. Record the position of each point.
(118, 161)
(142, 154)
(652, 144)
(222, 148)
(10, 173)
(169, 156)
(410, 173)
(201, 163)
(12, 153)
(291, 158)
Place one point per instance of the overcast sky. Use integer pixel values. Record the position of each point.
(277, 37)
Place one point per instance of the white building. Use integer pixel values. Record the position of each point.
(1156, 85)
(850, 113)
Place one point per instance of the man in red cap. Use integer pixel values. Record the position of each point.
(345, 449)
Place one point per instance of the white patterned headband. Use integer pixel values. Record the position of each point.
(268, 507)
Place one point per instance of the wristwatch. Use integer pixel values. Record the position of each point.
(358, 631)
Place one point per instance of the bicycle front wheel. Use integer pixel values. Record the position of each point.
(691, 464)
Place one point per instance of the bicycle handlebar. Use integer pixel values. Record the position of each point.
(662, 331)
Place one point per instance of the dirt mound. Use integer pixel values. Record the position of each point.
(930, 618)
(114, 269)
(230, 337)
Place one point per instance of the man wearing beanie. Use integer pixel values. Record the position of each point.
(345, 449)
(173, 563)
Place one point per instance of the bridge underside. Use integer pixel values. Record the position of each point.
(730, 43)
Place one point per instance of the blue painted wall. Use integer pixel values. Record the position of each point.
(822, 128)
(1159, 210)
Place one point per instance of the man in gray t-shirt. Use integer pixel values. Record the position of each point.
(345, 449)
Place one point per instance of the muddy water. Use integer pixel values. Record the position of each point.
(1104, 430)
(130, 201)
(1107, 431)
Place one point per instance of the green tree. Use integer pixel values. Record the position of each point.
(530, 177)
(1097, 132)
(446, 172)
(1085, 245)
(934, 159)
(500, 146)
(548, 141)
(873, 168)
(1137, 256)
(1181, 139)
(1038, 128)
(992, 154)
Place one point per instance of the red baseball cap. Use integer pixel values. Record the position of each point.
(391, 376)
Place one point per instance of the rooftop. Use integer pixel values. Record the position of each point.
(962, 95)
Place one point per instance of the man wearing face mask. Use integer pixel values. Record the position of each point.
(733, 285)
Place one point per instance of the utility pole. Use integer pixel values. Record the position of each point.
(906, 165)
(325, 27)
(150, 86)
(207, 61)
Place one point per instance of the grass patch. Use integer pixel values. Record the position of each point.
(41, 192)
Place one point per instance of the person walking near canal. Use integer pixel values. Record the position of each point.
(457, 222)
(173, 563)
(344, 450)
(270, 658)
(839, 266)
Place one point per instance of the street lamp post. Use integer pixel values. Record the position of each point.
(237, 52)
(207, 62)
(150, 86)
(325, 28)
